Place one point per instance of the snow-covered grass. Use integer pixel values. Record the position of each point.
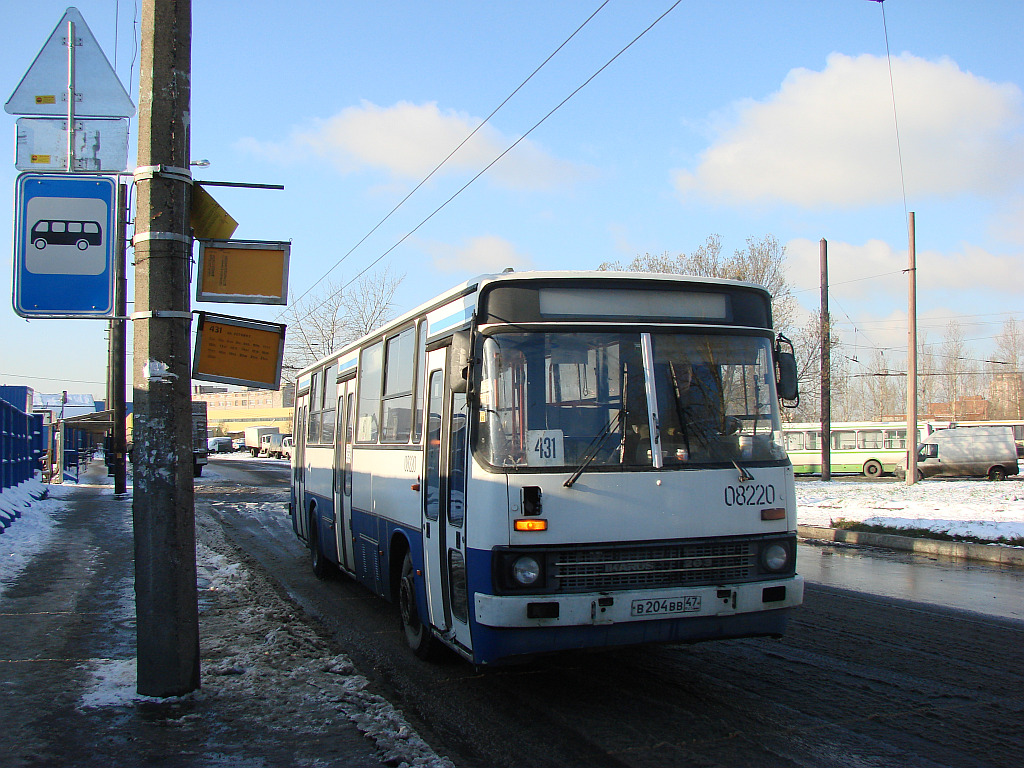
(989, 511)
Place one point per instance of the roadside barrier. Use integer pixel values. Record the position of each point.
(16, 445)
(20, 438)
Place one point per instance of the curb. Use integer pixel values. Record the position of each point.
(960, 550)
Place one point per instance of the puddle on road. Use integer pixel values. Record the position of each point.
(952, 583)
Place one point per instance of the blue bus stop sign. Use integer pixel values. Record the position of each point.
(64, 240)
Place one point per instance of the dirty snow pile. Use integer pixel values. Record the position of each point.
(993, 511)
(255, 648)
(27, 520)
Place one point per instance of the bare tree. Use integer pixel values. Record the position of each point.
(807, 345)
(323, 322)
(926, 373)
(882, 390)
(762, 262)
(1006, 392)
(955, 366)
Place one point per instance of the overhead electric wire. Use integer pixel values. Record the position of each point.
(452, 153)
(512, 146)
(895, 118)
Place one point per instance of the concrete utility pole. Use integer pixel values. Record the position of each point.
(163, 500)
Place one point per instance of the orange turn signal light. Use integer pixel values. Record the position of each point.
(531, 524)
(775, 513)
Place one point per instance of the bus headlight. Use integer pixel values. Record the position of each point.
(526, 570)
(775, 557)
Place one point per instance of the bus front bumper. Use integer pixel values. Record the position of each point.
(591, 609)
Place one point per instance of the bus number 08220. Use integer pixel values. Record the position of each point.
(749, 495)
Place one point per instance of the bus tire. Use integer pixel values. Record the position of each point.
(872, 468)
(319, 564)
(997, 473)
(417, 634)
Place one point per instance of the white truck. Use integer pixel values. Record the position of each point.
(254, 436)
(966, 452)
(270, 445)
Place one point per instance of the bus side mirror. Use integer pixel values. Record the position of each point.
(459, 358)
(785, 373)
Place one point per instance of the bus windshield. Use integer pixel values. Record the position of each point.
(552, 400)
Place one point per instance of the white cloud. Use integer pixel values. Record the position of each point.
(828, 138)
(1007, 222)
(479, 255)
(875, 270)
(409, 140)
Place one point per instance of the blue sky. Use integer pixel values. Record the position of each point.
(736, 118)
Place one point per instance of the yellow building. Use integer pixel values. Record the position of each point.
(231, 422)
(231, 411)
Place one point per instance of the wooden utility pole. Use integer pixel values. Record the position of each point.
(116, 373)
(163, 499)
(912, 353)
(826, 368)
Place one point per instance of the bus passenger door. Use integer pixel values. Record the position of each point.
(299, 520)
(443, 525)
(343, 475)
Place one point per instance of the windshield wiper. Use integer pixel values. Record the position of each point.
(745, 476)
(595, 446)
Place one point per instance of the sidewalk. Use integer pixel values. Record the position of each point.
(275, 690)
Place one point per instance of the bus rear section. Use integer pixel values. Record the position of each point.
(596, 461)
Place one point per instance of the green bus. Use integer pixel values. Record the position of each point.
(868, 448)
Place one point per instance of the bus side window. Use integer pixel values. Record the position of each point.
(315, 395)
(844, 441)
(399, 362)
(457, 468)
(435, 404)
(370, 364)
(871, 439)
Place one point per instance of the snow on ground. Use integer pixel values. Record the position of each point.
(28, 533)
(973, 507)
(989, 510)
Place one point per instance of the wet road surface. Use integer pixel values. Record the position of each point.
(985, 589)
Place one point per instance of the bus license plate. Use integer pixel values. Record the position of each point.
(667, 605)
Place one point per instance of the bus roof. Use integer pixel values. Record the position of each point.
(479, 282)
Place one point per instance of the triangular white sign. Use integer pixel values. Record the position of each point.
(44, 88)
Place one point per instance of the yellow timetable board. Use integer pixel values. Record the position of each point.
(234, 350)
(243, 272)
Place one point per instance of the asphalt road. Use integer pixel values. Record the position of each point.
(859, 680)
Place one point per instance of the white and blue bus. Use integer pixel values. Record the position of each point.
(542, 461)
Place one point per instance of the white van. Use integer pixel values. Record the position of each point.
(966, 452)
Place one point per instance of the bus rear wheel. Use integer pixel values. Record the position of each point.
(872, 468)
(997, 473)
(417, 634)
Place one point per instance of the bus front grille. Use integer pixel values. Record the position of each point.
(656, 566)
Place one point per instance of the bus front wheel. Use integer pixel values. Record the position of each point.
(417, 634)
(872, 468)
